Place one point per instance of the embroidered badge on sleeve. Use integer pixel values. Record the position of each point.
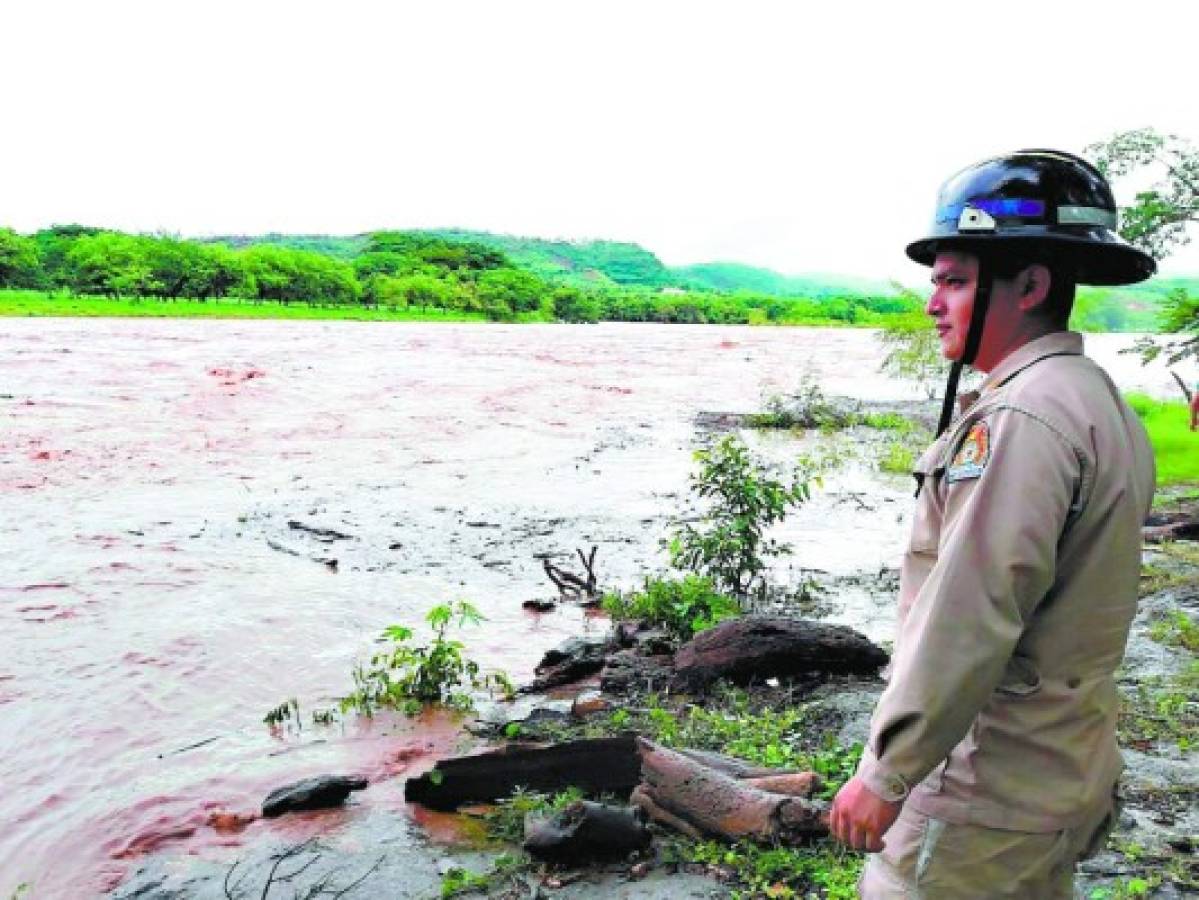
(972, 456)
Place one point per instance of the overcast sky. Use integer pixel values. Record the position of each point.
(804, 137)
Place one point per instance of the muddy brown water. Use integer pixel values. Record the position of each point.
(156, 601)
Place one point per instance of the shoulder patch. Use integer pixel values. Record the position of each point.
(972, 455)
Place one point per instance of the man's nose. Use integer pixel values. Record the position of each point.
(935, 305)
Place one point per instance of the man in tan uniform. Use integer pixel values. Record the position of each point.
(991, 762)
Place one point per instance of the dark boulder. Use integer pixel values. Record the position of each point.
(319, 792)
(762, 646)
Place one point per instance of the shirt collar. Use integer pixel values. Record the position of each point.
(1058, 343)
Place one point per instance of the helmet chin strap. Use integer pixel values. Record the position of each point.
(974, 336)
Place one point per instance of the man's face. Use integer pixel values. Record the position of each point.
(954, 277)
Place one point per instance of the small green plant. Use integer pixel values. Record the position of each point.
(1158, 709)
(897, 458)
(808, 407)
(889, 421)
(457, 881)
(1176, 629)
(682, 606)
(1125, 889)
(507, 821)
(824, 869)
(729, 544)
(408, 677)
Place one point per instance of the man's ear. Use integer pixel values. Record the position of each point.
(1034, 287)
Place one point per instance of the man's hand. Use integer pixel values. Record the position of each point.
(860, 817)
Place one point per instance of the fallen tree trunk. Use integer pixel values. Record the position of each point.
(758, 647)
(714, 803)
(598, 766)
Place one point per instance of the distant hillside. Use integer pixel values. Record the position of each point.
(730, 277)
(583, 262)
(344, 247)
(620, 264)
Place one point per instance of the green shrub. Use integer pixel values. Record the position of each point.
(897, 458)
(410, 677)
(729, 544)
(681, 606)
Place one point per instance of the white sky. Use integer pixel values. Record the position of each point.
(804, 137)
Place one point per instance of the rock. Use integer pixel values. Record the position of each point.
(319, 792)
(540, 605)
(765, 646)
(589, 703)
(585, 832)
(639, 636)
(628, 671)
(570, 661)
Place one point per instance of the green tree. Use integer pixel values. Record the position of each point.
(573, 305)
(506, 291)
(112, 265)
(728, 542)
(18, 259)
(1160, 216)
(913, 348)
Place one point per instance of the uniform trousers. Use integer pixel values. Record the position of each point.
(927, 859)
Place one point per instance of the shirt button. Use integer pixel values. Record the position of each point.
(1073, 681)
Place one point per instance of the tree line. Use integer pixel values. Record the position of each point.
(394, 269)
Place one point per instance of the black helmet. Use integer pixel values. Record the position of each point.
(1040, 198)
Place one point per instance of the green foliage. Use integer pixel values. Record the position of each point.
(409, 677)
(507, 821)
(1158, 709)
(741, 501)
(825, 869)
(808, 407)
(457, 881)
(1175, 446)
(1126, 889)
(913, 348)
(1160, 217)
(18, 259)
(897, 458)
(573, 305)
(681, 606)
(889, 421)
(1176, 629)
(506, 292)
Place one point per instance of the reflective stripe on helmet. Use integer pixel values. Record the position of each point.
(1087, 215)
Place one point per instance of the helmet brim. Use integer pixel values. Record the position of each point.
(1098, 256)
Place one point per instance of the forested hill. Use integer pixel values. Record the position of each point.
(599, 264)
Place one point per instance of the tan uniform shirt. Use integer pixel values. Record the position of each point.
(1017, 593)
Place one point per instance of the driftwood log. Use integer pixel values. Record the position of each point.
(585, 831)
(762, 646)
(1171, 527)
(569, 584)
(597, 766)
(684, 794)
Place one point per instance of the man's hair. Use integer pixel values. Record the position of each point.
(1055, 311)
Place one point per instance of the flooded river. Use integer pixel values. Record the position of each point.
(164, 581)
